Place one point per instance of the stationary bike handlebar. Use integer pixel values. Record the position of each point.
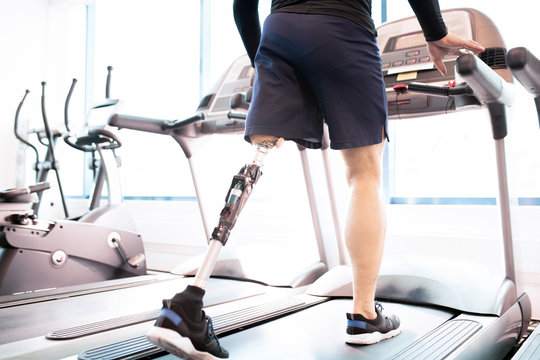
(87, 143)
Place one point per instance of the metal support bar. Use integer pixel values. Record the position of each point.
(335, 215)
(199, 199)
(313, 206)
(504, 206)
(97, 190)
(109, 166)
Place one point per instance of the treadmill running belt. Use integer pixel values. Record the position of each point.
(139, 346)
(96, 327)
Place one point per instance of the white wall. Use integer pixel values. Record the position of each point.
(23, 40)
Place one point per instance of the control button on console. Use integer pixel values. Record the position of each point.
(413, 53)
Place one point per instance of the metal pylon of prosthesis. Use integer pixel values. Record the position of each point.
(239, 191)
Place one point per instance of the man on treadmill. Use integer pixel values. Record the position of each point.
(318, 62)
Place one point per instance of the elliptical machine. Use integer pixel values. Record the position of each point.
(48, 138)
(89, 143)
(37, 255)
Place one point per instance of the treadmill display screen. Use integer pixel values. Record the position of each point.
(409, 41)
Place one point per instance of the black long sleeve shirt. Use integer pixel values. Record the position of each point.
(247, 21)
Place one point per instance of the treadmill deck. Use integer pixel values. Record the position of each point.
(315, 332)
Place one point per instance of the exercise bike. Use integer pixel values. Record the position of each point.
(38, 255)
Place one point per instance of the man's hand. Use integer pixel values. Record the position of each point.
(450, 45)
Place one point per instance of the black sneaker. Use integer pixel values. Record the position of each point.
(363, 331)
(177, 334)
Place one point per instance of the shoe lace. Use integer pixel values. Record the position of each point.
(387, 320)
(210, 330)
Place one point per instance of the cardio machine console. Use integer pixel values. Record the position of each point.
(236, 80)
(405, 58)
(214, 115)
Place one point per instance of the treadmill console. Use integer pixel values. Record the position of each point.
(235, 80)
(405, 58)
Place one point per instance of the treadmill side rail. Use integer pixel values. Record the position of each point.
(469, 337)
(497, 338)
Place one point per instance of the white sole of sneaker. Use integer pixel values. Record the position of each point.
(175, 344)
(371, 338)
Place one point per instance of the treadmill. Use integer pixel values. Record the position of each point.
(446, 312)
(98, 308)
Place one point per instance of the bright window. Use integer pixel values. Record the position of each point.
(452, 156)
(153, 47)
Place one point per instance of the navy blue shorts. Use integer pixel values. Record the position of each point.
(312, 69)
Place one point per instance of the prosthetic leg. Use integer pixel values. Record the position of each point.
(239, 191)
(183, 328)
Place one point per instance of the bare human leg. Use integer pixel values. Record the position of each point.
(365, 226)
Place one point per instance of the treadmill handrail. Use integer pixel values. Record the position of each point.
(177, 124)
(236, 116)
(145, 124)
(443, 91)
(526, 68)
(487, 85)
(199, 125)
